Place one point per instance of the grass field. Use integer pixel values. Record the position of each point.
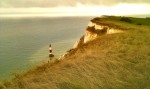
(114, 61)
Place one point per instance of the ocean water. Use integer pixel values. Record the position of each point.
(24, 41)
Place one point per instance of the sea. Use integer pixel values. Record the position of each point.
(24, 41)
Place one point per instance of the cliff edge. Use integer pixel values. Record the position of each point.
(96, 29)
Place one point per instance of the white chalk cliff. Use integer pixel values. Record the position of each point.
(93, 31)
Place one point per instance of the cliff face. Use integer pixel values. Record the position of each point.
(90, 34)
(95, 30)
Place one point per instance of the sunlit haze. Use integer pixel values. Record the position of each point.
(78, 9)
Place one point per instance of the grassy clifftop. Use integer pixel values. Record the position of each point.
(113, 61)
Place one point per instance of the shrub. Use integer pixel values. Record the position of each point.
(139, 24)
(125, 19)
(97, 18)
(147, 17)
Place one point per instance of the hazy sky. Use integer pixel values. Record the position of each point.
(54, 3)
(74, 7)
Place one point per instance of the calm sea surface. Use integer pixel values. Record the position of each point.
(24, 41)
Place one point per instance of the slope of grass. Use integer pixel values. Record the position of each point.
(114, 61)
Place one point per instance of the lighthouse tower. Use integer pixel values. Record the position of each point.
(50, 51)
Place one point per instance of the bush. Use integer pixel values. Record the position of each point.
(125, 19)
(139, 24)
(97, 18)
(147, 17)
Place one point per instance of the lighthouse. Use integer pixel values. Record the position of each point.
(50, 51)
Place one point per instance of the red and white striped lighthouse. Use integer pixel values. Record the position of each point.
(50, 51)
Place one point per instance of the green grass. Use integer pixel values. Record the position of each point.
(114, 61)
(135, 21)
